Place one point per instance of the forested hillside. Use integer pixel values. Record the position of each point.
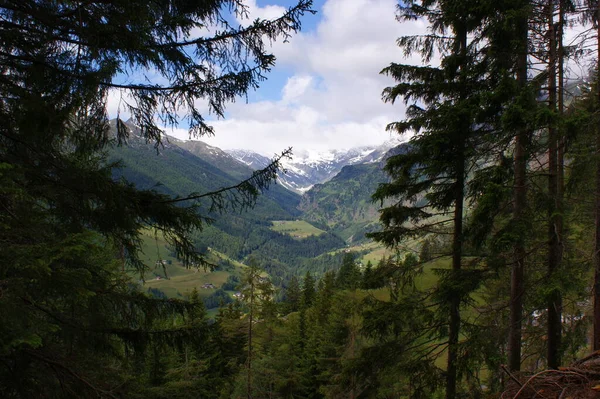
(344, 204)
(173, 170)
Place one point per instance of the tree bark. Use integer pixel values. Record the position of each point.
(457, 237)
(596, 340)
(250, 317)
(561, 139)
(455, 320)
(554, 300)
(519, 203)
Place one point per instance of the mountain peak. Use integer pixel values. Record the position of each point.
(309, 167)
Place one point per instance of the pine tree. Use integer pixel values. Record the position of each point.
(522, 133)
(258, 294)
(425, 254)
(348, 277)
(596, 339)
(552, 50)
(368, 280)
(324, 296)
(293, 295)
(248, 288)
(308, 291)
(554, 301)
(445, 111)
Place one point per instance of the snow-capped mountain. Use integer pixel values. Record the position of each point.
(304, 170)
(308, 168)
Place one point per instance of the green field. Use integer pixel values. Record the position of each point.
(296, 228)
(376, 252)
(185, 283)
(169, 275)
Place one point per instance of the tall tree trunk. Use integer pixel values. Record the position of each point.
(560, 190)
(457, 243)
(250, 317)
(457, 237)
(519, 203)
(596, 339)
(352, 354)
(122, 257)
(554, 299)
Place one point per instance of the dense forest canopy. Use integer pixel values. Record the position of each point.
(491, 212)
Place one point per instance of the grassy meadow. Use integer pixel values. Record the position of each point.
(296, 228)
(166, 273)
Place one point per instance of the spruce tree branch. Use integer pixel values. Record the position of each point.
(301, 7)
(183, 87)
(135, 86)
(255, 28)
(115, 331)
(252, 181)
(70, 372)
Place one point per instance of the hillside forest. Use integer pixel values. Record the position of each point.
(463, 263)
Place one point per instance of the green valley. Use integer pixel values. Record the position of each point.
(286, 240)
(296, 228)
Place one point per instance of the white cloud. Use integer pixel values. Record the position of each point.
(302, 130)
(333, 97)
(295, 87)
(333, 100)
(116, 103)
(254, 12)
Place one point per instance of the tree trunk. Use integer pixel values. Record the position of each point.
(597, 250)
(250, 316)
(457, 239)
(519, 198)
(561, 139)
(554, 298)
(596, 339)
(454, 327)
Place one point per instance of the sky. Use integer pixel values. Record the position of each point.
(324, 92)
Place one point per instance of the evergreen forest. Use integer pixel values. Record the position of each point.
(463, 264)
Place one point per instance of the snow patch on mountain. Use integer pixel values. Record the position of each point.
(309, 167)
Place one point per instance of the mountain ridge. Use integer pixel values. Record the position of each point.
(173, 170)
(343, 204)
(315, 167)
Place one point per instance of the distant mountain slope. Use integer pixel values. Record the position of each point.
(293, 179)
(177, 171)
(216, 157)
(180, 172)
(278, 192)
(309, 168)
(343, 204)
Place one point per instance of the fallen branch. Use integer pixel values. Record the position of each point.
(591, 356)
(533, 377)
(581, 371)
(512, 377)
(519, 383)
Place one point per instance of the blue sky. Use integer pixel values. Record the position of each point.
(271, 88)
(324, 92)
